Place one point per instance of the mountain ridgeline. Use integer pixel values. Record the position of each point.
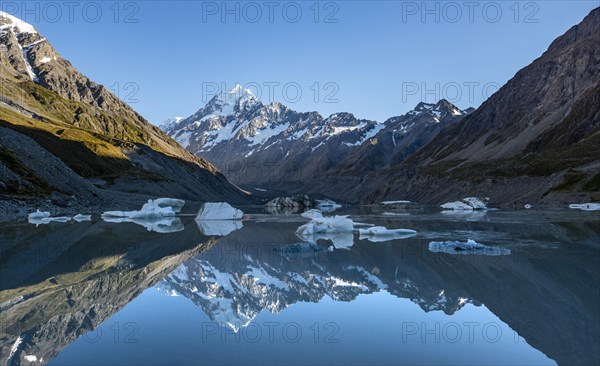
(274, 147)
(536, 140)
(63, 134)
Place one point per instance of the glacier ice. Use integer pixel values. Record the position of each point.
(151, 210)
(343, 240)
(469, 247)
(47, 220)
(162, 225)
(80, 218)
(218, 227)
(380, 233)
(592, 206)
(322, 224)
(466, 204)
(327, 205)
(338, 229)
(38, 215)
(218, 211)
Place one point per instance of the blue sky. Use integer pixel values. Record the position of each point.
(375, 59)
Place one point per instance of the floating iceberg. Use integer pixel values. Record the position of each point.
(218, 227)
(343, 240)
(592, 206)
(338, 229)
(467, 204)
(47, 220)
(152, 210)
(322, 224)
(327, 205)
(380, 233)
(219, 211)
(80, 218)
(395, 202)
(38, 215)
(162, 225)
(528, 206)
(469, 247)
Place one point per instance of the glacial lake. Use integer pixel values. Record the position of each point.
(98, 293)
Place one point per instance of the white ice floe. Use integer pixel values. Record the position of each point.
(80, 218)
(395, 202)
(338, 229)
(469, 247)
(162, 225)
(379, 234)
(343, 240)
(382, 231)
(152, 210)
(327, 205)
(39, 215)
(218, 227)
(466, 204)
(322, 224)
(47, 220)
(592, 206)
(528, 206)
(219, 211)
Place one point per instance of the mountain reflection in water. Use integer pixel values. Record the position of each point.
(60, 282)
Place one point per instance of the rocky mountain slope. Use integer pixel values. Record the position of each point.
(537, 139)
(274, 147)
(45, 103)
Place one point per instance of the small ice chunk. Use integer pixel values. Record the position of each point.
(382, 231)
(218, 227)
(470, 247)
(39, 215)
(152, 210)
(31, 358)
(466, 204)
(162, 225)
(80, 218)
(343, 240)
(219, 211)
(395, 202)
(592, 206)
(327, 205)
(47, 220)
(336, 224)
(528, 206)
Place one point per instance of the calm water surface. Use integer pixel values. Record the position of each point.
(97, 293)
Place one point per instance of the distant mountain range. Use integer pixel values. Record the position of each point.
(272, 146)
(62, 133)
(537, 140)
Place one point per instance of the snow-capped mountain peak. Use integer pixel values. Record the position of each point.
(439, 110)
(170, 123)
(17, 25)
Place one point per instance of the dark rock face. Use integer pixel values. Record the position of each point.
(537, 139)
(92, 133)
(273, 147)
